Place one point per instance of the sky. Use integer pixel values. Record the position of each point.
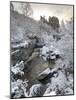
(63, 12)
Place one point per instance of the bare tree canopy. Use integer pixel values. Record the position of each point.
(11, 6)
(26, 9)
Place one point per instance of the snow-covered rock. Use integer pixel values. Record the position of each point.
(49, 53)
(18, 89)
(18, 68)
(23, 44)
(60, 80)
(51, 93)
(36, 90)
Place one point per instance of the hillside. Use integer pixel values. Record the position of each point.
(41, 58)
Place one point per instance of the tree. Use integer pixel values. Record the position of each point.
(26, 9)
(62, 23)
(54, 22)
(11, 6)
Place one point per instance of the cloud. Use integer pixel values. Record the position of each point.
(62, 11)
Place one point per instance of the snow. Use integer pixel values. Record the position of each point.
(49, 51)
(19, 88)
(17, 69)
(44, 50)
(46, 72)
(53, 57)
(23, 44)
(68, 91)
(15, 52)
(52, 93)
(61, 82)
(35, 90)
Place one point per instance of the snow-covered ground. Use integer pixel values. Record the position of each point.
(31, 40)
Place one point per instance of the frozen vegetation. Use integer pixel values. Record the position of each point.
(41, 58)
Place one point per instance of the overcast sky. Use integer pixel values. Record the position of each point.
(64, 12)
